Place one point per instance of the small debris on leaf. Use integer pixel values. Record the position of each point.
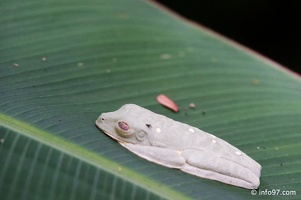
(167, 102)
(80, 64)
(181, 53)
(191, 105)
(186, 110)
(165, 56)
(256, 82)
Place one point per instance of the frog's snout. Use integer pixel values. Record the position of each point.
(100, 119)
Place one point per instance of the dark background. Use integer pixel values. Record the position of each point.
(271, 28)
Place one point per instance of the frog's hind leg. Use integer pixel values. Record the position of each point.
(206, 165)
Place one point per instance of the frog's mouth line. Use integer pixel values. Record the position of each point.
(108, 134)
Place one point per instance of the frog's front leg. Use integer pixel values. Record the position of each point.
(207, 165)
(163, 156)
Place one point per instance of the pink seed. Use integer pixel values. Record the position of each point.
(167, 102)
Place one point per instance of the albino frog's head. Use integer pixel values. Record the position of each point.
(126, 124)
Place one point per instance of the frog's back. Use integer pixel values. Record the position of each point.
(180, 136)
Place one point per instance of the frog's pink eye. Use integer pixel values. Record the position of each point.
(123, 129)
(123, 126)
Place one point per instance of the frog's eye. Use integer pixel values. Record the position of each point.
(123, 126)
(123, 129)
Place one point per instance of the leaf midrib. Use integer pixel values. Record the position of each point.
(89, 157)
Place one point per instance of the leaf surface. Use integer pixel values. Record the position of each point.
(63, 63)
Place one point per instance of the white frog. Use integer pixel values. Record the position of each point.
(177, 145)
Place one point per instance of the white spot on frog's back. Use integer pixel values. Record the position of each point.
(158, 130)
(214, 141)
(238, 153)
(191, 130)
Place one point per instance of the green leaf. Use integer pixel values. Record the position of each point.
(63, 63)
